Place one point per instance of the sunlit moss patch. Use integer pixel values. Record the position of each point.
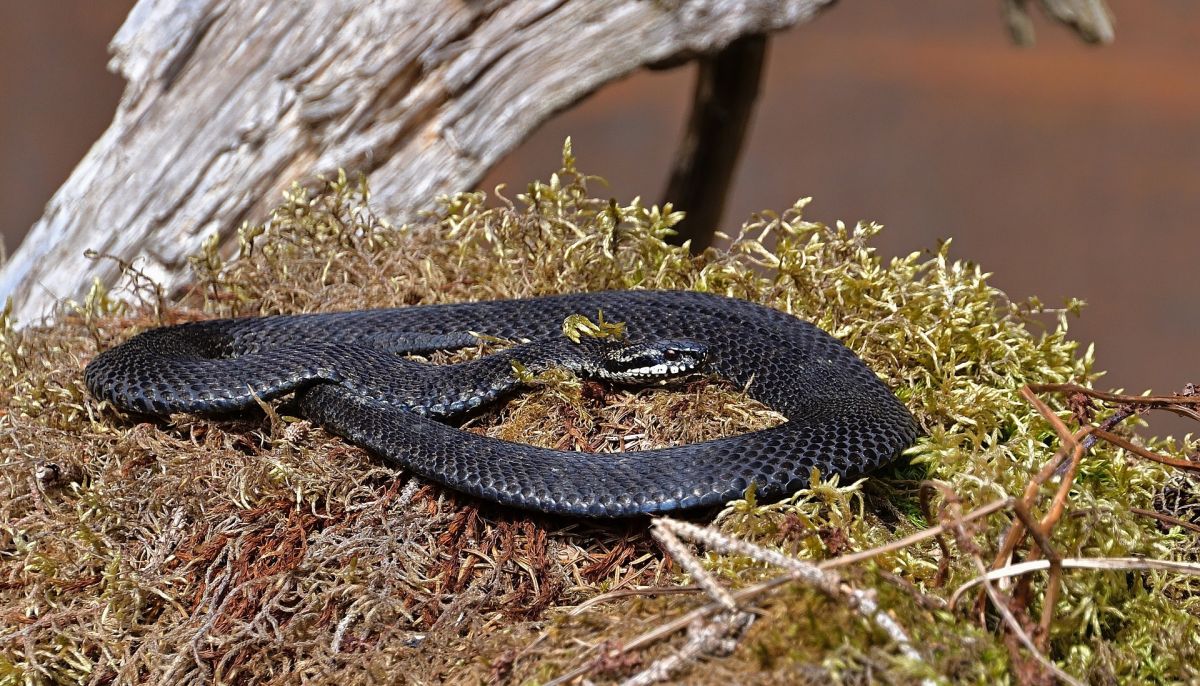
(264, 551)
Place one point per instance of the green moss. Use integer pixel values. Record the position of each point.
(265, 551)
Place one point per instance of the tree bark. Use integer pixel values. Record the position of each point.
(722, 103)
(229, 101)
(1091, 20)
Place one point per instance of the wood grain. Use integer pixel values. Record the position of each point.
(229, 101)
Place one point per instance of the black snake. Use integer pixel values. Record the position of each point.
(348, 376)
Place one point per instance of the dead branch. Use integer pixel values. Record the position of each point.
(1001, 603)
(1100, 563)
(1166, 519)
(722, 103)
(229, 101)
(670, 532)
(1186, 465)
(1075, 444)
(1192, 399)
(1091, 19)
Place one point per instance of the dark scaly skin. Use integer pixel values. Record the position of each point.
(841, 418)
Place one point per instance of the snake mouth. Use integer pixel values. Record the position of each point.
(655, 360)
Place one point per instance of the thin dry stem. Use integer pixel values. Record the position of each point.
(1099, 563)
(1001, 604)
(1185, 465)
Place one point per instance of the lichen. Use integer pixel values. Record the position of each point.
(265, 551)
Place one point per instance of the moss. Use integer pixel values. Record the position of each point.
(265, 551)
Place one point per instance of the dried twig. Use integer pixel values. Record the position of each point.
(628, 592)
(823, 580)
(727, 84)
(1186, 465)
(1166, 518)
(667, 629)
(721, 634)
(1001, 605)
(1146, 400)
(1074, 444)
(716, 637)
(669, 531)
(851, 558)
(1101, 563)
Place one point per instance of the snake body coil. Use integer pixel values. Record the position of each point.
(348, 378)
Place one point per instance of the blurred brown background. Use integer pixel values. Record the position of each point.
(1067, 170)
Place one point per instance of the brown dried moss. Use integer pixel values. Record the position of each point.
(265, 551)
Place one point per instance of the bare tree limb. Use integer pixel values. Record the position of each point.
(723, 100)
(228, 101)
(1090, 19)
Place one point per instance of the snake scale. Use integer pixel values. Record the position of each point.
(349, 378)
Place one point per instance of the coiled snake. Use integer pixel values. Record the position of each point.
(348, 377)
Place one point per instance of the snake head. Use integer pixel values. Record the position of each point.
(653, 360)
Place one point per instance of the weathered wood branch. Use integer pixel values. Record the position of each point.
(1090, 19)
(722, 102)
(229, 101)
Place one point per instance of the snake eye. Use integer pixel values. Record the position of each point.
(671, 354)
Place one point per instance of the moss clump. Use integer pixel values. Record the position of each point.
(265, 551)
